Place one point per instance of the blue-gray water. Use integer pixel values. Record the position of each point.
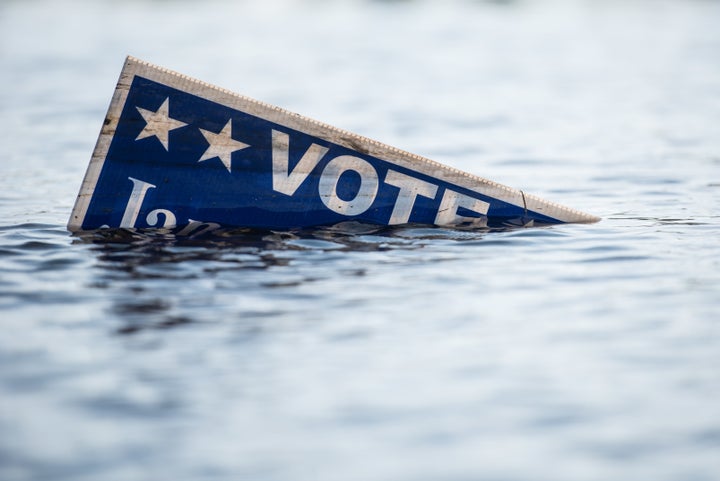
(579, 352)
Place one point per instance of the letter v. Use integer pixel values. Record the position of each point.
(284, 180)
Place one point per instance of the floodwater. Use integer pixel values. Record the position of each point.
(351, 352)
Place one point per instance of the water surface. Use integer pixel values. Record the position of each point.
(363, 353)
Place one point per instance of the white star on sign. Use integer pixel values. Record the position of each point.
(222, 145)
(159, 123)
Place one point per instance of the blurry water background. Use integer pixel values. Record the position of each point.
(578, 352)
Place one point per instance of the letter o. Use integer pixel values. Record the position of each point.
(366, 193)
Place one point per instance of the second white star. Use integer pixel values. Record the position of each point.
(222, 145)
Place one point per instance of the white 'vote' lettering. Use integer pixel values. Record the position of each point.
(284, 180)
(287, 181)
(410, 188)
(365, 195)
(451, 201)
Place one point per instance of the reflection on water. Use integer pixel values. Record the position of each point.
(352, 236)
(132, 258)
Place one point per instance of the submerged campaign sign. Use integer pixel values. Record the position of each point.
(175, 151)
